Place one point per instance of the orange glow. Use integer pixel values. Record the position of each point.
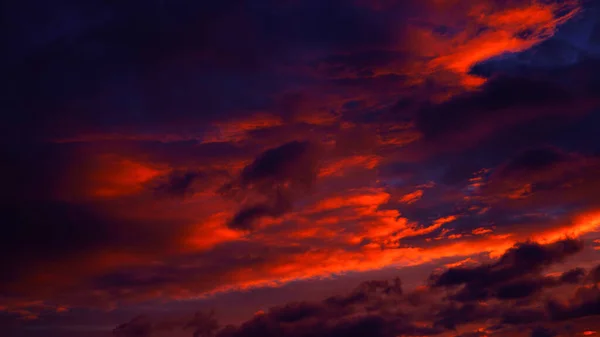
(521, 192)
(582, 224)
(589, 333)
(337, 168)
(503, 26)
(62, 309)
(236, 131)
(445, 220)
(367, 198)
(114, 176)
(412, 197)
(460, 263)
(481, 231)
(373, 257)
(212, 232)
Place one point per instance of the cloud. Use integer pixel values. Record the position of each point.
(586, 303)
(291, 162)
(542, 332)
(275, 174)
(246, 218)
(499, 103)
(507, 278)
(595, 274)
(179, 183)
(523, 258)
(383, 308)
(173, 150)
(139, 326)
(534, 160)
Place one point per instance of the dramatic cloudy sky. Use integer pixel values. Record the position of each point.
(300, 168)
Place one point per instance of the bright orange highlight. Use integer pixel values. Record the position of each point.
(412, 197)
(114, 176)
(337, 168)
(490, 32)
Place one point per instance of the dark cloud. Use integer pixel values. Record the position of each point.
(501, 101)
(519, 289)
(371, 325)
(572, 276)
(292, 162)
(203, 325)
(246, 218)
(595, 274)
(454, 315)
(586, 303)
(140, 326)
(524, 258)
(180, 183)
(276, 174)
(506, 278)
(534, 160)
(522, 316)
(542, 332)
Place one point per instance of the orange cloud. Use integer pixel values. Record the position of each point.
(113, 175)
(459, 263)
(338, 167)
(412, 197)
(580, 225)
(489, 30)
(481, 231)
(236, 131)
(211, 232)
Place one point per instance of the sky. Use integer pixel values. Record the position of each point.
(300, 168)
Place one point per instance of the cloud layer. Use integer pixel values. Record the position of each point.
(163, 151)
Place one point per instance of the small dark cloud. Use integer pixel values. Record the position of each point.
(519, 289)
(140, 326)
(294, 312)
(293, 162)
(246, 218)
(472, 334)
(202, 324)
(542, 332)
(595, 274)
(454, 314)
(572, 276)
(534, 160)
(179, 183)
(276, 174)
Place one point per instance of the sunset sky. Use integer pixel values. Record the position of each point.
(300, 168)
